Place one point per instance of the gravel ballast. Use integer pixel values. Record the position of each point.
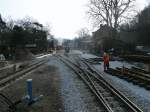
(63, 90)
(75, 94)
(139, 95)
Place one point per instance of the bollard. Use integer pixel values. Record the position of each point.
(29, 90)
(29, 99)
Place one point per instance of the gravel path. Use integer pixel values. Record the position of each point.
(76, 96)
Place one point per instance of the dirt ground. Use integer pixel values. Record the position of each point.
(64, 91)
(45, 82)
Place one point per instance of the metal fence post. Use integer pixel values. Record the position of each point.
(29, 90)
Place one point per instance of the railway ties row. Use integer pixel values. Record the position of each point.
(116, 99)
(134, 75)
(14, 76)
(111, 99)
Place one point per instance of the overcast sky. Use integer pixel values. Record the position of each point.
(66, 16)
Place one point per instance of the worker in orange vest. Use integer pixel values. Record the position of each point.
(106, 61)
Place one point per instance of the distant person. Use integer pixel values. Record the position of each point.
(67, 49)
(106, 61)
(2, 57)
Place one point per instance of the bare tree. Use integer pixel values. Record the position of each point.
(84, 32)
(110, 12)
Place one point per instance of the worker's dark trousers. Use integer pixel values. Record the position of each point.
(106, 66)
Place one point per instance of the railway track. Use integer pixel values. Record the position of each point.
(14, 76)
(140, 70)
(134, 75)
(93, 61)
(137, 58)
(111, 99)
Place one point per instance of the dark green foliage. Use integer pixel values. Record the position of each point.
(141, 26)
(144, 27)
(18, 39)
(20, 34)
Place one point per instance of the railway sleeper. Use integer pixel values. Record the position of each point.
(145, 81)
(109, 98)
(137, 82)
(126, 77)
(140, 73)
(134, 73)
(147, 87)
(140, 70)
(115, 105)
(119, 109)
(134, 80)
(106, 94)
(142, 84)
(102, 90)
(133, 77)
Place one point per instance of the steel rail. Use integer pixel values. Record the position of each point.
(9, 74)
(81, 74)
(121, 95)
(8, 105)
(90, 75)
(133, 76)
(134, 108)
(4, 82)
(141, 70)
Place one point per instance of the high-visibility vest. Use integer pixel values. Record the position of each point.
(106, 58)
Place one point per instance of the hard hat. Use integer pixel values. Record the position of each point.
(105, 54)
